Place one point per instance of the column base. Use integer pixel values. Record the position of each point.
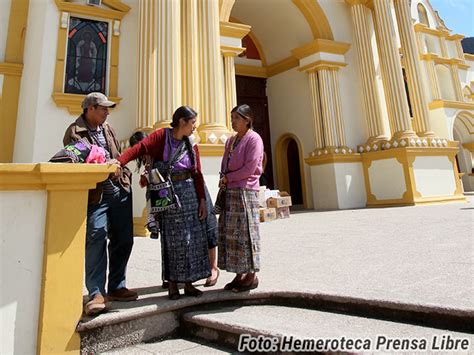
(411, 176)
(213, 134)
(373, 144)
(337, 180)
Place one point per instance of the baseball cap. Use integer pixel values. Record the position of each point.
(97, 98)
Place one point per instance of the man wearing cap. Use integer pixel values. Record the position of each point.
(109, 213)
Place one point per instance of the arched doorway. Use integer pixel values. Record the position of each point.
(290, 169)
(463, 132)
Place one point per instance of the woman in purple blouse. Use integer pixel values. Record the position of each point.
(239, 238)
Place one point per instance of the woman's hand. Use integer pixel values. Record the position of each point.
(143, 179)
(202, 209)
(119, 166)
(223, 181)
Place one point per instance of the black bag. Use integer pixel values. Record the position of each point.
(219, 206)
(162, 195)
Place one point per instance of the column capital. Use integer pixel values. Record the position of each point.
(231, 51)
(358, 2)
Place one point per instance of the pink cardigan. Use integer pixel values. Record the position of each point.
(245, 164)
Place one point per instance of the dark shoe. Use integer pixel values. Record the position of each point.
(95, 306)
(211, 282)
(173, 295)
(165, 284)
(243, 288)
(234, 283)
(122, 294)
(194, 292)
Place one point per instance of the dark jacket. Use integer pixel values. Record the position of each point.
(77, 131)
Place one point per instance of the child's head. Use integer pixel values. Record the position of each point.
(134, 139)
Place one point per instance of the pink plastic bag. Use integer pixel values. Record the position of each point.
(96, 156)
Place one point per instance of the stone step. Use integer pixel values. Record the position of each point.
(283, 327)
(153, 316)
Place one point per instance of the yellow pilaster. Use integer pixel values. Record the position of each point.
(230, 89)
(189, 52)
(169, 60)
(434, 83)
(456, 82)
(413, 70)
(359, 13)
(60, 300)
(392, 74)
(212, 128)
(12, 71)
(316, 109)
(146, 100)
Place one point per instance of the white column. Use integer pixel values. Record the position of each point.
(189, 53)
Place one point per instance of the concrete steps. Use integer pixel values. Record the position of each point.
(154, 317)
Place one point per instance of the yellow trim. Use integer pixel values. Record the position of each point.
(282, 165)
(450, 104)
(211, 150)
(225, 8)
(322, 64)
(321, 45)
(233, 29)
(67, 186)
(454, 37)
(282, 66)
(12, 71)
(120, 10)
(333, 158)
(406, 157)
(315, 17)
(85, 10)
(421, 27)
(249, 70)
(467, 119)
(73, 102)
(231, 50)
(469, 146)
(469, 57)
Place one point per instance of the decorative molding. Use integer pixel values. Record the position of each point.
(451, 104)
(82, 9)
(282, 66)
(73, 101)
(64, 19)
(469, 57)
(321, 45)
(322, 64)
(315, 17)
(249, 70)
(211, 150)
(117, 24)
(332, 158)
(231, 50)
(13, 69)
(234, 29)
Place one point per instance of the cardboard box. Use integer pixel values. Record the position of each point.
(267, 214)
(283, 201)
(282, 212)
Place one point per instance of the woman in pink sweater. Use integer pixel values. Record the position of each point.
(239, 238)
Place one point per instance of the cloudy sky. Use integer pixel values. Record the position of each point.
(458, 15)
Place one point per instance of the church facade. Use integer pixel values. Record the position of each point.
(360, 103)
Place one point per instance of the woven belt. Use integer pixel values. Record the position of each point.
(185, 175)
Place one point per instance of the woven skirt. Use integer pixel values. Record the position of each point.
(239, 237)
(184, 238)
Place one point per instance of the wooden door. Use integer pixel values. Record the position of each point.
(252, 91)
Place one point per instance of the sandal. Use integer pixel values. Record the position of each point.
(243, 288)
(234, 283)
(211, 282)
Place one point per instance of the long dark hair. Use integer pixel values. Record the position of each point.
(134, 139)
(184, 112)
(246, 112)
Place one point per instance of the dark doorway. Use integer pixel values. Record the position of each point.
(252, 91)
(294, 173)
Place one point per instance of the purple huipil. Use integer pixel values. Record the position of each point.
(245, 163)
(185, 163)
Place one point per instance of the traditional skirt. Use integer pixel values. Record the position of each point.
(184, 238)
(239, 238)
(211, 222)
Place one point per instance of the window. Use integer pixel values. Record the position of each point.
(423, 15)
(86, 60)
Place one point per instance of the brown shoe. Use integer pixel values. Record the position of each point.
(95, 306)
(122, 294)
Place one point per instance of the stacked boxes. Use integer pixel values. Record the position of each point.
(277, 205)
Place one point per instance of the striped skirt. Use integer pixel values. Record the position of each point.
(184, 238)
(239, 237)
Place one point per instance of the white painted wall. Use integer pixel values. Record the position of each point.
(434, 176)
(387, 180)
(289, 105)
(4, 18)
(22, 229)
(350, 185)
(324, 188)
(41, 124)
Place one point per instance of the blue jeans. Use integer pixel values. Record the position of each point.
(114, 212)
